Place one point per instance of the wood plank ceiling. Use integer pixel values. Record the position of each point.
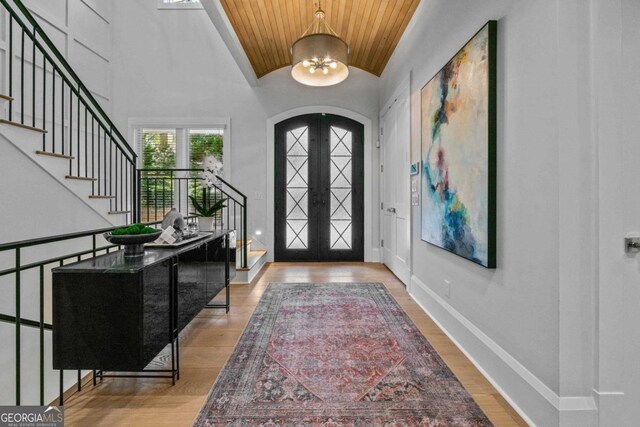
(267, 28)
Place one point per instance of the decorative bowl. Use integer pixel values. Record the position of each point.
(133, 243)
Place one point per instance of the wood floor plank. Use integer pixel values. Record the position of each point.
(207, 343)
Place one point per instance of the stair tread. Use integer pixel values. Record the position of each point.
(81, 178)
(118, 212)
(242, 242)
(101, 197)
(60, 156)
(252, 258)
(20, 125)
(8, 98)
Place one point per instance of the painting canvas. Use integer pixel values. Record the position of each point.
(458, 152)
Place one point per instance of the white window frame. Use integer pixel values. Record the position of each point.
(181, 126)
(174, 6)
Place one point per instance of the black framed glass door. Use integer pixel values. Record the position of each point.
(319, 189)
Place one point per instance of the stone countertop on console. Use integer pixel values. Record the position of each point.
(115, 262)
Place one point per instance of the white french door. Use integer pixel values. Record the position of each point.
(395, 161)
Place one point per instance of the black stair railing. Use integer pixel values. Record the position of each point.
(28, 266)
(49, 96)
(162, 189)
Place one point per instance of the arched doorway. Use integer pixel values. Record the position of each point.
(319, 189)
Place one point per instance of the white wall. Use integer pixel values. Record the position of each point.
(529, 323)
(173, 63)
(81, 30)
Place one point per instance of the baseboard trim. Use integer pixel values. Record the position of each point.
(374, 255)
(536, 403)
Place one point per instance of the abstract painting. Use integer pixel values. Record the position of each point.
(459, 150)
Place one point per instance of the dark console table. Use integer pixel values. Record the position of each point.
(112, 313)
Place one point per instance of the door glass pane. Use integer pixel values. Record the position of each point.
(340, 219)
(297, 188)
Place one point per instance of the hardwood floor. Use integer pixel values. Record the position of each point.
(209, 340)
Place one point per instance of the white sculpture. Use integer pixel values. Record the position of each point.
(174, 219)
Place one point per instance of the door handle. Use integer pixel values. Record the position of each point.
(632, 245)
(392, 210)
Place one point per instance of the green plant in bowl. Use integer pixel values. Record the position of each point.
(133, 238)
(133, 230)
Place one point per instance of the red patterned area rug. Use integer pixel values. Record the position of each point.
(335, 355)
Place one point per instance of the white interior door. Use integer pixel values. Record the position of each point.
(631, 206)
(396, 220)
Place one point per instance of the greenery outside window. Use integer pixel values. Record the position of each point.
(203, 143)
(174, 148)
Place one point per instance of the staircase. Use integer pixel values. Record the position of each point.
(51, 116)
(28, 140)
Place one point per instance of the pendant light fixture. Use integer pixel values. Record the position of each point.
(319, 56)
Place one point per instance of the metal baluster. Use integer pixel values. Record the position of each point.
(110, 164)
(216, 192)
(61, 397)
(78, 140)
(104, 158)
(180, 193)
(10, 66)
(22, 79)
(93, 155)
(33, 81)
(71, 130)
(42, 335)
(44, 102)
(172, 182)
(163, 190)
(126, 189)
(98, 159)
(86, 145)
(18, 319)
(62, 111)
(119, 181)
(148, 187)
(61, 371)
(244, 230)
(53, 113)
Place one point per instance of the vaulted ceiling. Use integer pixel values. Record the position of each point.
(267, 28)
